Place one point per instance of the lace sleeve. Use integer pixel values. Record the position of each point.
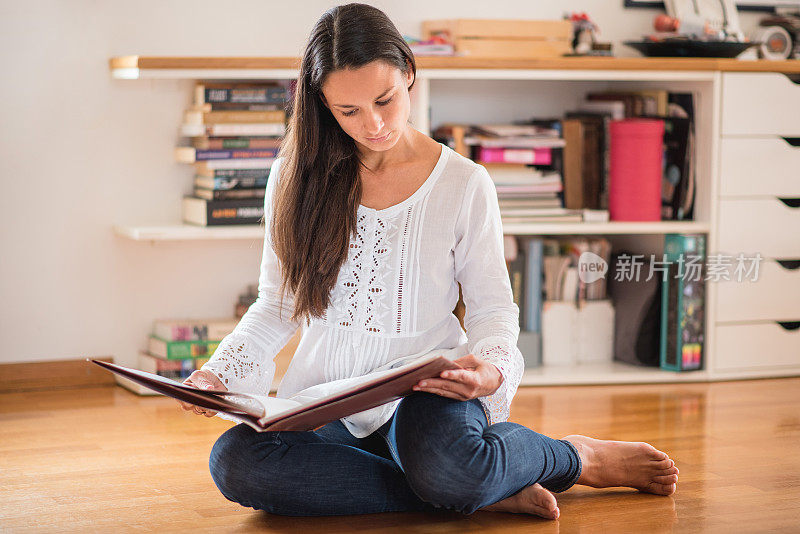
(510, 363)
(243, 360)
(491, 318)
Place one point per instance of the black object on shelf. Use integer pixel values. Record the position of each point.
(690, 48)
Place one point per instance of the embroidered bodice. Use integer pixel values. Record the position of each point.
(393, 298)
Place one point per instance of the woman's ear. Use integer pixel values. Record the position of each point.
(409, 78)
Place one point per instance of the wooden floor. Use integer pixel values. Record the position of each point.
(104, 460)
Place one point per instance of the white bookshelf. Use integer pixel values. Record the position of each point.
(464, 90)
(187, 232)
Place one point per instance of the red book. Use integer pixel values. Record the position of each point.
(528, 156)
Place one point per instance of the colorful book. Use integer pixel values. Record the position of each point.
(534, 251)
(236, 129)
(528, 156)
(683, 304)
(239, 93)
(228, 143)
(233, 174)
(227, 184)
(516, 273)
(193, 329)
(238, 106)
(204, 212)
(229, 194)
(176, 350)
(188, 154)
(233, 117)
(205, 167)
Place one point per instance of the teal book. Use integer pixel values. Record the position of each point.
(682, 344)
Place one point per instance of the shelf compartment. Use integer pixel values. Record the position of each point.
(605, 373)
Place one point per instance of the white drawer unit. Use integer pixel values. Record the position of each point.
(775, 295)
(770, 226)
(760, 103)
(762, 166)
(758, 346)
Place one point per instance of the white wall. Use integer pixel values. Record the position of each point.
(80, 152)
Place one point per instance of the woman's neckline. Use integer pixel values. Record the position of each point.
(421, 190)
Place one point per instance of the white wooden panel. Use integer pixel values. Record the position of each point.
(764, 225)
(775, 295)
(759, 167)
(757, 346)
(760, 103)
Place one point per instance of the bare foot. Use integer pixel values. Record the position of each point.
(531, 500)
(624, 463)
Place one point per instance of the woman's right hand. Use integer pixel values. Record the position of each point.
(201, 379)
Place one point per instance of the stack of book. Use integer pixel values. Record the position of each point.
(586, 154)
(525, 161)
(176, 348)
(235, 132)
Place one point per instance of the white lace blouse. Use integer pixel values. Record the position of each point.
(393, 298)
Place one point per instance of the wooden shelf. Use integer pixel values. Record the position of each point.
(133, 67)
(187, 232)
(605, 373)
(608, 228)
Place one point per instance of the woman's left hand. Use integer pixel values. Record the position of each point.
(478, 379)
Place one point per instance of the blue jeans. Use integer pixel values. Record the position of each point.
(434, 452)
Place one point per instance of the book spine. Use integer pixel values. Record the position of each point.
(223, 212)
(534, 156)
(262, 95)
(234, 117)
(226, 183)
(202, 155)
(229, 194)
(534, 249)
(252, 163)
(239, 106)
(237, 129)
(205, 143)
(193, 331)
(239, 174)
(274, 128)
(176, 350)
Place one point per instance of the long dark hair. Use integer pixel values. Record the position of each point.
(318, 195)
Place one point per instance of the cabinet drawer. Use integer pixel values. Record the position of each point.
(767, 225)
(757, 346)
(760, 103)
(775, 295)
(760, 166)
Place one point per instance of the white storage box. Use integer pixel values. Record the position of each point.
(572, 335)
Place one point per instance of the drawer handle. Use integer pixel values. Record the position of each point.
(794, 141)
(789, 265)
(791, 202)
(789, 325)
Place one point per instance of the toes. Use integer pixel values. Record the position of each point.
(671, 471)
(654, 453)
(666, 479)
(664, 464)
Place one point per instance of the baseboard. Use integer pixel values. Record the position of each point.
(59, 374)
